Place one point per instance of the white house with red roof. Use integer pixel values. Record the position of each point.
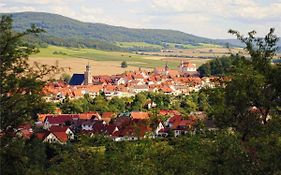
(187, 67)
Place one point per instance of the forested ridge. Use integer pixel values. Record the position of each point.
(69, 32)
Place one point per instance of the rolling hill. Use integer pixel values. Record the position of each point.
(69, 32)
(64, 31)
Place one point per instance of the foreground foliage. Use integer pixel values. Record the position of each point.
(220, 152)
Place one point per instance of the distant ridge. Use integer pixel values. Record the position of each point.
(70, 32)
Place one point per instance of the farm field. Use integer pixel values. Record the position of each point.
(137, 44)
(213, 52)
(73, 60)
(167, 45)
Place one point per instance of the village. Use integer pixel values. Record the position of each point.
(130, 125)
(162, 79)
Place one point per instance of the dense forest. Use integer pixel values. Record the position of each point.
(245, 141)
(65, 31)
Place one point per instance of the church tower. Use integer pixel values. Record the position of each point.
(88, 78)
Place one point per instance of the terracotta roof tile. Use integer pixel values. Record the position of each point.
(140, 115)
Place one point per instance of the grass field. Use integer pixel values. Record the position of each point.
(103, 62)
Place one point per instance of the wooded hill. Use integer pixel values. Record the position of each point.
(69, 32)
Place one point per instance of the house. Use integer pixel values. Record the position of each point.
(56, 137)
(139, 88)
(120, 81)
(56, 134)
(187, 67)
(161, 131)
(99, 127)
(182, 127)
(172, 120)
(87, 125)
(65, 129)
(59, 119)
(24, 131)
(111, 129)
(134, 131)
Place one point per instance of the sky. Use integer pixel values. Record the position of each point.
(207, 18)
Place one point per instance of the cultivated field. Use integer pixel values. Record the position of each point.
(74, 60)
(197, 52)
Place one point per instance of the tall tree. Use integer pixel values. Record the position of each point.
(252, 94)
(21, 84)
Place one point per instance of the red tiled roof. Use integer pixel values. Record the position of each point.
(26, 133)
(169, 112)
(188, 64)
(110, 129)
(139, 115)
(42, 135)
(61, 118)
(108, 114)
(176, 118)
(58, 128)
(61, 136)
(166, 89)
(89, 115)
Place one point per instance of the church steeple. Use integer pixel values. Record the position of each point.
(88, 75)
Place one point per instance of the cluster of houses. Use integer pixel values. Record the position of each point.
(135, 125)
(62, 128)
(162, 79)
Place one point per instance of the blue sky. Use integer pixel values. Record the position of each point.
(208, 18)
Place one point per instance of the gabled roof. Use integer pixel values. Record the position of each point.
(176, 118)
(76, 79)
(58, 128)
(42, 135)
(61, 136)
(89, 115)
(61, 118)
(107, 116)
(110, 129)
(99, 128)
(139, 115)
(169, 112)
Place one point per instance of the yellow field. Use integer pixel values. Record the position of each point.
(77, 65)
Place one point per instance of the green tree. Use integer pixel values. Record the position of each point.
(21, 84)
(65, 77)
(139, 102)
(116, 105)
(124, 64)
(71, 106)
(252, 94)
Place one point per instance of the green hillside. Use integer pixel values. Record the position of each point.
(73, 33)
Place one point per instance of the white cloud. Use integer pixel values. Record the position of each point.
(91, 11)
(244, 9)
(42, 2)
(211, 18)
(16, 9)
